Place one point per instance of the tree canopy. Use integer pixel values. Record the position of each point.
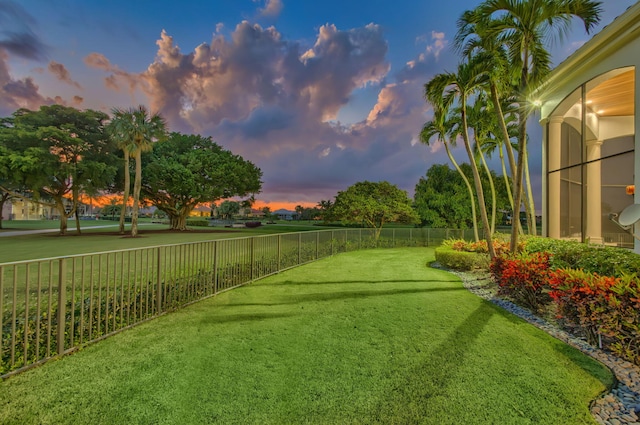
(57, 153)
(183, 171)
(441, 199)
(373, 204)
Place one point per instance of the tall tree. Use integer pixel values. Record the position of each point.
(440, 198)
(58, 153)
(440, 128)
(228, 209)
(373, 204)
(448, 88)
(524, 26)
(135, 130)
(183, 171)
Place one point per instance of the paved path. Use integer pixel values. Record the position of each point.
(33, 232)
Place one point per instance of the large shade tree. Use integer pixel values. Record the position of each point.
(57, 154)
(135, 130)
(183, 171)
(525, 27)
(373, 204)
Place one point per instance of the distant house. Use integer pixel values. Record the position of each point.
(589, 115)
(283, 214)
(201, 211)
(23, 209)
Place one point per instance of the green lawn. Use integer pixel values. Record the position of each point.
(45, 245)
(365, 337)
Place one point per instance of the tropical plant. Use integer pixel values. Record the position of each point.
(440, 127)
(523, 27)
(135, 130)
(446, 89)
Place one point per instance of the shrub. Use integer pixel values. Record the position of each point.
(198, 223)
(604, 305)
(523, 278)
(461, 260)
(606, 261)
(481, 246)
(253, 224)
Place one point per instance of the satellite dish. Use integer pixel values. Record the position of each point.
(629, 215)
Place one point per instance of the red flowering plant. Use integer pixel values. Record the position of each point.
(623, 323)
(601, 305)
(523, 278)
(582, 299)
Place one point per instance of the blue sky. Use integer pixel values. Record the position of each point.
(319, 95)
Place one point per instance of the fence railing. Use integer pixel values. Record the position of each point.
(52, 306)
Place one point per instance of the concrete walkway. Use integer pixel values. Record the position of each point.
(33, 232)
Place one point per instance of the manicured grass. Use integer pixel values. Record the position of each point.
(45, 245)
(364, 337)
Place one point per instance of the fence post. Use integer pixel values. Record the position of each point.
(359, 238)
(62, 303)
(332, 242)
(159, 282)
(299, 248)
(215, 267)
(393, 237)
(428, 236)
(317, 245)
(279, 250)
(251, 255)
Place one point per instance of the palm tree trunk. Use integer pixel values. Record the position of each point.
(476, 178)
(137, 184)
(503, 127)
(127, 187)
(529, 203)
(492, 186)
(474, 215)
(522, 145)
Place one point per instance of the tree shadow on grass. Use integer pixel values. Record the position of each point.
(346, 282)
(407, 402)
(231, 318)
(344, 295)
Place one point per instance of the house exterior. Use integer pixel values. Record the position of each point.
(22, 209)
(589, 115)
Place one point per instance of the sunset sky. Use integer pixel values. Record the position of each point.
(318, 94)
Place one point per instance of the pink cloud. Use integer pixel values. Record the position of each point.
(62, 74)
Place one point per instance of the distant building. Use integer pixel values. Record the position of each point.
(589, 115)
(283, 214)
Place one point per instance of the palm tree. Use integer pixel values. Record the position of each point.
(483, 123)
(459, 87)
(135, 130)
(440, 128)
(116, 130)
(523, 26)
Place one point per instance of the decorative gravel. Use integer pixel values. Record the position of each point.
(622, 404)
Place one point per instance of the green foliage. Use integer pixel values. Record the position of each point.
(373, 204)
(228, 209)
(57, 153)
(606, 261)
(186, 170)
(461, 260)
(198, 222)
(442, 200)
